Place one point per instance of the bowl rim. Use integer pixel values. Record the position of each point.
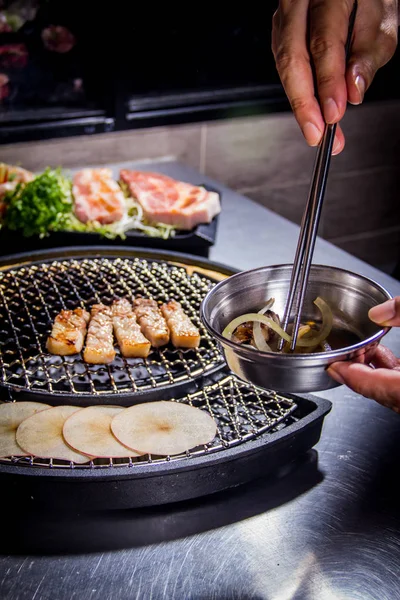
(254, 354)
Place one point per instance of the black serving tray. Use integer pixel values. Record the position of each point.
(112, 488)
(197, 241)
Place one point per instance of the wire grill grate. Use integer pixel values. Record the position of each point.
(241, 411)
(32, 295)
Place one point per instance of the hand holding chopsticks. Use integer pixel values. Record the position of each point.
(310, 221)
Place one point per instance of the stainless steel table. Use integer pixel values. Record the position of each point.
(328, 528)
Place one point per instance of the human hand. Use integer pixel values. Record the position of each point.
(381, 382)
(374, 43)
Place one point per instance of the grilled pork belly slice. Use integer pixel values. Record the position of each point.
(151, 321)
(97, 197)
(99, 348)
(68, 332)
(129, 336)
(184, 334)
(166, 200)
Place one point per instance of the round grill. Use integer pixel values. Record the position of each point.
(258, 431)
(32, 295)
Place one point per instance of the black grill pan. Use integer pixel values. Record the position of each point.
(258, 430)
(166, 481)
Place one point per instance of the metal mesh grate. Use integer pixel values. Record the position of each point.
(32, 295)
(241, 411)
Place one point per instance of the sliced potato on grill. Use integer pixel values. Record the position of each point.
(11, 416)
(41, 435)
(163, 428)
(89, 431)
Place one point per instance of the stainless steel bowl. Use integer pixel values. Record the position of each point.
(349, 295)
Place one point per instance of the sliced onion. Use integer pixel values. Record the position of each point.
(230, 328)
(303, 330)
(326, 327)
(259, 339)
(302, 342)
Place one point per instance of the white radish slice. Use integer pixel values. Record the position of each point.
(89, 431)
(41, 435)
(11, 416)
(163, 428)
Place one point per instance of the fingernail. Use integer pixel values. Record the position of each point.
(331, 111)
(360, 85)
(312, 134)
(336, 147)
(383, 312)
(334, 373)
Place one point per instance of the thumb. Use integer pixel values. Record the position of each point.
(386, 314)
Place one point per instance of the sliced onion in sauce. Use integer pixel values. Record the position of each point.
(230, 328)
(303, 339)
(259, 339)
(303, 331)
(326, 327)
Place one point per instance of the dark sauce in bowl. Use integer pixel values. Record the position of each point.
(342, 338)
(339, 338)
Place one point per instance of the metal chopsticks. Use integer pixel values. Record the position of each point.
(310, 220)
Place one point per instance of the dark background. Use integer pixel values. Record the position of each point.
(132, 67)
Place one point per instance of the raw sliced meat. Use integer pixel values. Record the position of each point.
(166, 200)
(97, 196)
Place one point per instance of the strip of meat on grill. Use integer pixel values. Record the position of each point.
(130, 338)
(68, 332)
(99, 347)
(184, 334)
(152, 323)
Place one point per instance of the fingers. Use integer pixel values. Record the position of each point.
(293, 65)
(373, 45)
(375, 41)
(339, 142)
(382, 385)
(386, 314)
(289, 45)
(385, 359)
(328, 51)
